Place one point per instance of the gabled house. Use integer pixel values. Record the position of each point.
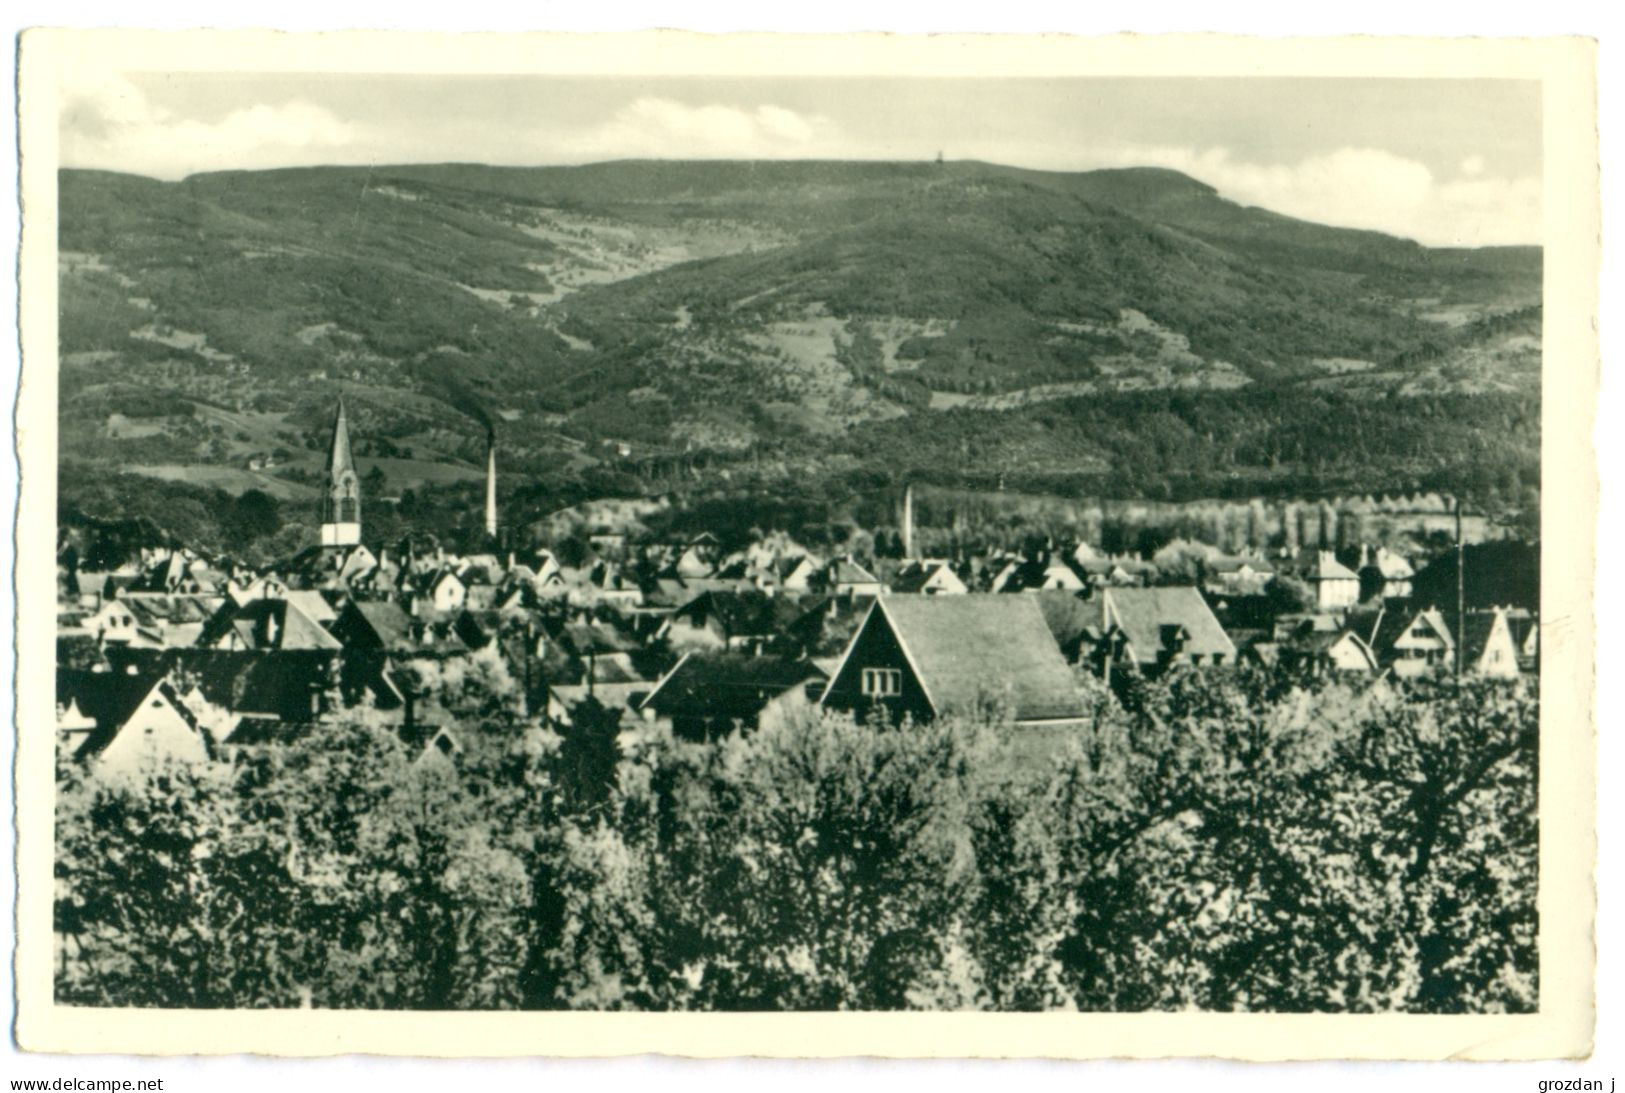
(733, 621)
(266, 624)
(333, 566)
(1116, 572)
(443, 591)
(259, 588)
(373, 626)
(1328, 651)
(708, 695)
(823, 629)
(1050, 573)
(930, 656)
(798, 574)
(431, 742)
(609, 583)
(846, 578)
(115, 624)
(695, 561)
(1083, 552)
(1525, 629)
(932, 577)
(88, 588)
(540, 565)
(606, 651)
(139, 721)
(177, 574)
(1150, 630)
(1413, 643)
(1487, 645)
(1001, 574)
(1238, 576)
(1385, 574)
(174, 620)
(1336, 585)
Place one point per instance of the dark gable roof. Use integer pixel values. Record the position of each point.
(154, 610)
(967, 649)
(258, 731)
(1146, 616)
(727, 685)
(391, 627)
(597, 638)
(273, 684)
(1475, 634)
(1319, 643)
(846, 571)
(111, 698)
(267, 623)
(1070, 616)
(1393, 626)
(742, 614)
(107, 698)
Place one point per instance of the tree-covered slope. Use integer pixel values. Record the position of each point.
(797, 311)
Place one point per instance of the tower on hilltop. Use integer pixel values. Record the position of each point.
(341, 495)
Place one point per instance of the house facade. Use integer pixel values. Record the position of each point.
(922, 657)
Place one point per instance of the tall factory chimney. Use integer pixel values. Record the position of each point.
(908, 520)
(491, 482)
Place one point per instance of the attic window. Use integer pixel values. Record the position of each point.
(882, 682)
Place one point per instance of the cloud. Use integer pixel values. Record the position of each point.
(108, 122)
(656, 128)
(1366, 188)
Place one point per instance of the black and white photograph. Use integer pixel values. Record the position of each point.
(752, 542)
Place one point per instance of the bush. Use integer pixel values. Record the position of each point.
(1235, 842)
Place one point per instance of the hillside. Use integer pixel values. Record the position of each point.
(623, 324)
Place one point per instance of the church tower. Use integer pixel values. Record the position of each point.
(341, 497)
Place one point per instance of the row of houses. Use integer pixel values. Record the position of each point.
(176, 654)
(269, 662)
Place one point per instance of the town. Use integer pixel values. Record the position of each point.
(177, 656)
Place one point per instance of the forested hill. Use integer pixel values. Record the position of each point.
(624, 322)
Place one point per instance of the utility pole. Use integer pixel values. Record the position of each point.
(1461, 592)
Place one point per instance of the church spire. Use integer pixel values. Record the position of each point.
(338, 455)
(341, 493)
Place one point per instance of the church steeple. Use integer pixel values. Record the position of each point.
(341, 496)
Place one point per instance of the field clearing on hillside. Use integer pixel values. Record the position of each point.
(803, 353)
(230, 479)
(398, 472)
(253, 428)
(893, 332)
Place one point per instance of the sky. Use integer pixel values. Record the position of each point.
(1445, 162)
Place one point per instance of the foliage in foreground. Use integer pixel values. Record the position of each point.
(1228, 844)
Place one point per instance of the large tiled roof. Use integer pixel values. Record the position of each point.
(392, 625)
(268, 624)
(110, 699)
(974, 648)
(727, 684)
(1143, 614)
